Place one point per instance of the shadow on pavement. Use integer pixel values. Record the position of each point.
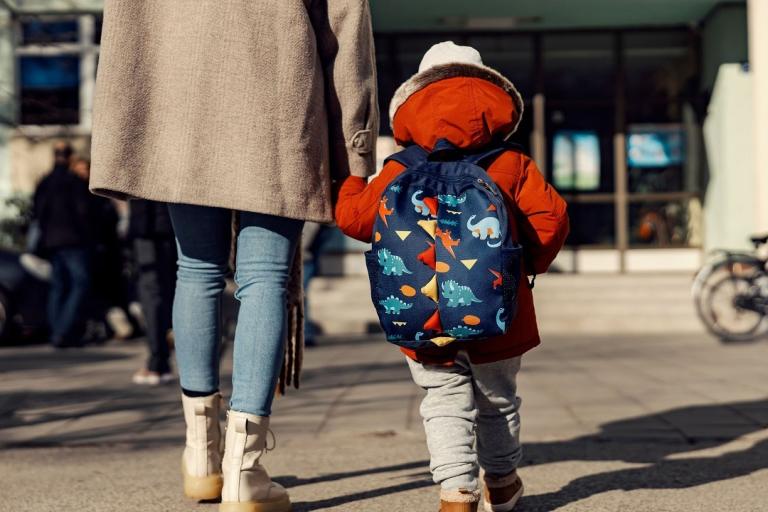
(294, 481)
(42, 359)
(651, 440)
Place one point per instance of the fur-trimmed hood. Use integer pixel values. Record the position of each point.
(468, 112)
(455, 70)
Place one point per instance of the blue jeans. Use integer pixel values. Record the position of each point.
(70, 283)
(265, 248)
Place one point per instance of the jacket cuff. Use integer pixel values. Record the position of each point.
(361, 151)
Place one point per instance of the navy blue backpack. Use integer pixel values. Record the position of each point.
(443, 266)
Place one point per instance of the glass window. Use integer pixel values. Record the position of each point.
(579, 67)
(592, 224)
(594, 126)
(663, 223)
(576, 160)
(98, 23)
(660, 71)
(655, 158)
(50, 89)
(49, 31)
(512, 56)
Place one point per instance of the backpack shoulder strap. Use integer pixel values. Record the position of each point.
(487, 157)
(409, 157)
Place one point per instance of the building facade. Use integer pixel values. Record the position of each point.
(617, 97)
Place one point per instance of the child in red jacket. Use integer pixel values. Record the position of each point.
(457, 98)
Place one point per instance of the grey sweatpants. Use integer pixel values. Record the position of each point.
(463, 400)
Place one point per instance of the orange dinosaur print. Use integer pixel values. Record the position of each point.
(448, 242)
(498, 281)
(384, 212)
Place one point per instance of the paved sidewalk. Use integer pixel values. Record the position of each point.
(623, 423)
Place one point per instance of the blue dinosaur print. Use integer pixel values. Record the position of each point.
(391, 265)
(396, 188)
(485, 228)
(458, 295)
(419, 335)
(450, 200)
(448, 222)
(462, 331)
(501, 323)
(418, 205)
(393, 305)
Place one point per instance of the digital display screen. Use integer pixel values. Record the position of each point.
(651, 147)
(576, 157)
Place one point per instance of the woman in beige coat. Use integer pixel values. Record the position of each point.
(244, 106)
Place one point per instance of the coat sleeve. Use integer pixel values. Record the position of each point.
(358, 204)
(543, 217)
(345, 45)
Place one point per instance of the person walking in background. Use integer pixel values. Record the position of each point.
(457, 105)
(154, 252)
(314, 238)
(62, 210)
(246, 107)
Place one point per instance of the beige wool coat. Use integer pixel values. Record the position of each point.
(252, 105)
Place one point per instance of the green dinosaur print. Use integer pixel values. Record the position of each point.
(451, 200)
(448, 222)
(462, 331)
(393, 305)
(458, 295)
(391, 265)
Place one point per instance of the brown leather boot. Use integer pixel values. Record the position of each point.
(501, 494)
(453, 506)
(459, 501)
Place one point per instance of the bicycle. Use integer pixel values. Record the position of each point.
(731, 292)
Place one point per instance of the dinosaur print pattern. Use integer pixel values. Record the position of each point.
(501, 324)
(396, 188)
(391, 264)
(462, 331)
(385, 212)
(449, 200)
(458, 295)
(448, 222)
(393, 305)
(424, 207)
(448, 242)
(485, 228)
(499, 279)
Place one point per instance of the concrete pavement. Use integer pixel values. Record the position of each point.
(610, 423)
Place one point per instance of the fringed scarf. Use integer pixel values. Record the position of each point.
(294, 333)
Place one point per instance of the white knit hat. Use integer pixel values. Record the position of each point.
(449, 60)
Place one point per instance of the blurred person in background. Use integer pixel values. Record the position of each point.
(154, 253)
(62, 210)
(314, 238)
(258, 118)
(108, 304)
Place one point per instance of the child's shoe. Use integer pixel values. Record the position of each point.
(502, 494)
(459, 501)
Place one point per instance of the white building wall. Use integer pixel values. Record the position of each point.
(729, 199)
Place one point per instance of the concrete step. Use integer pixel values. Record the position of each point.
(565, 303)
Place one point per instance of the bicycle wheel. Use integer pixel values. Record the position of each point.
(723, 308)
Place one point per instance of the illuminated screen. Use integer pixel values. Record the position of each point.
(651, 147)
(576, 156)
